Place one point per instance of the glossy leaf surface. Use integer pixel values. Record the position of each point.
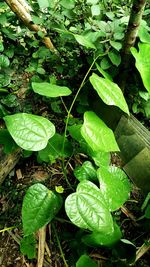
(30, 132)
(142, 58)
(114, 186)
(50, 90)
(100, 239)
(87, 208)
(40, 205)
(85, 172)
(97, 134)
(109, 92)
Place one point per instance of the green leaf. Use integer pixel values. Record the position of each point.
(100, 158)
(50, 90)
(28, 246)
(104, 73)
(85, 260)
(7, 141)
(109, 92)
(43, 3)
(116, 45)
(4, 61)
(40, 205)
(105, 63)
(143, 63)
(97, 134)
(85, 172)
(87, 208)
(114, 185)
(115, 58)
(68, 4)
(53, 150)
(95, 10)
(83, 41)
(100, 239)
(30, 132)
(1, 47)
(144, 35)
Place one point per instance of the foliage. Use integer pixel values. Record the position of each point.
(86, 38)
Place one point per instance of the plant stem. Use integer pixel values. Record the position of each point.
(59, 245)
(69, 113)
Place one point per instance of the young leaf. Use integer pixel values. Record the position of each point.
(87, 208)
(28, 246)
(50, 90)
(97, 134)
(83, 41)
(99, 239)
(30, 132)
(109, 92)
(85, 172)
(68, 4)
(85, 260)
(43, 3)
(40, 205)
(143, 63)
(114, 186)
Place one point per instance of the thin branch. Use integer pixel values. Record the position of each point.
(22, 11)
(41, 248)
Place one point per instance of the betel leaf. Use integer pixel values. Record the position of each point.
(85, 172)
(144, 35)
(30, 132)
(28, 246)
(99, 239)
(83, 41)
(97, 134)
(109, 92)
(50, 90)
(85, 260)
(40, 205)
(114, 186)
(87, 208)
(4, 61)
(142, 58)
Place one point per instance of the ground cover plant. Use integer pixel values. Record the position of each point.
(57, 59)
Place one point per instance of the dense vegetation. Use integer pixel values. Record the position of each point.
(68, 70)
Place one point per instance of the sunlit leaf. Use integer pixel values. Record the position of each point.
(50, 90)
(114, 185)
(30, 132)
(142, 58)
(109, 92)
(97, 134)
(87, 208)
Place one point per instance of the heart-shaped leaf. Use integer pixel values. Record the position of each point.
(109, 92)
(99, 239)
(97, 134)
(88, 210)
(30, 132)
(114, 186)
(40, 205)
(50, 90)
(143, 63)
(85, 172)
